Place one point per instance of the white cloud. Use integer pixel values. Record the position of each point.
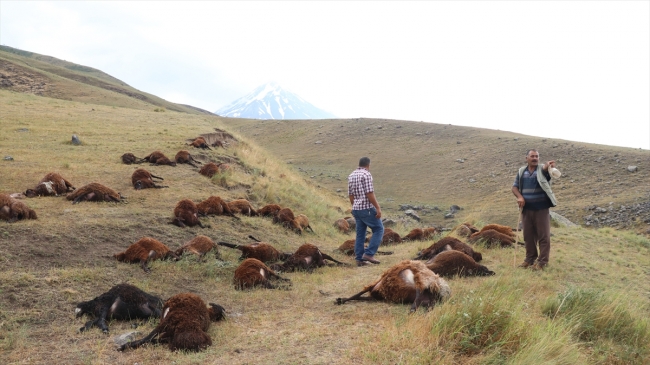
(571, 70)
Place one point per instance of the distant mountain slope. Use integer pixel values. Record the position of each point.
(29, 72)
(440, 165)
(271, 101)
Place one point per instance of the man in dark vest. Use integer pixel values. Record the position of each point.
(532, 187)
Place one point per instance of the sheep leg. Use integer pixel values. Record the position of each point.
(159, 186)
(143, 264)
(156, 177)
(328, 257)
(83, 197)
(357, 296)
(311, 229)
(198, 222)
(416, 302)
(178, 222)
(229, 245)
(384, 252)
(135, 344)
(191, 164)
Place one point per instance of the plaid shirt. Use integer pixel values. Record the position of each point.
(360, 184)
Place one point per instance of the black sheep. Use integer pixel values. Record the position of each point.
(122, 302)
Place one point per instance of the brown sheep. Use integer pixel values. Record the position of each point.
(260, 250)
(129, 158)
(352, 222)
(214, 205)
(307, 257)
(252, 272)
(491, 238)
(123, 302)
(450, 263)
(145, 250)
(13, 210)
(184, 324)
(242, 206)
(407, 282)
(429, 232)
(158, 158)
(199, 245)
(390, 237)
(184, 156)
(508, 231)
(209, 169)
(416, 234)
(199, 142)
(446, 244)
(465, 229)
(347, 248)
(186, 214)
(303, 222)
(94, 192)
(51, 184)
(342, 225)
(143, 179)
(286, 218)
(269, 210)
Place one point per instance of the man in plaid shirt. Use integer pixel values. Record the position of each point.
(366, 212)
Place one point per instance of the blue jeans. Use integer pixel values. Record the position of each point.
(366, 218)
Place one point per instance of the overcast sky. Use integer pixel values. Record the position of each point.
(574, 70)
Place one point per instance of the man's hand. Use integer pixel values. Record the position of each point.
(378, 214)
(549, 164)
(521, 202)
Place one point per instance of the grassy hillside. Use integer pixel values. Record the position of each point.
(29, 72)
(589, 307)
(440, 165)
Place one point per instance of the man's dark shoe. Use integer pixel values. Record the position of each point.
(362, 263)
(370, 259)
(538, 267)
(525, 265)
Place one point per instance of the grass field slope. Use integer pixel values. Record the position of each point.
(590, 306)
(28, 72)
(436, 165)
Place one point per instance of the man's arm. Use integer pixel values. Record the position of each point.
(373, 201)
(520, 198)
(351, 199)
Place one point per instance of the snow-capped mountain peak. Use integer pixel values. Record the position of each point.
(271, 101)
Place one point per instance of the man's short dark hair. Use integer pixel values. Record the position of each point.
(531, 150)
(364, 162)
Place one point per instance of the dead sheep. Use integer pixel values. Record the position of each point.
(508, 231)
(253, 272)
(260, 250)
(390, 237)
(199, 142)
(158, 158)
(123, 302)
(94, 192)
(347, 248)
(492, 238)
(186, 214)
(465, 230)
(209, 169)
(199, 245)
(184, 324)
(286, 218)
(13, 210)
(143, 179)
(242, 206)
(129, 158)
(419, 234)
(303, 222)
(307, 257)
(352, 222)
(52, 184)
(447, 244)
(407, 282)
(342, 225)
(184, 156)
(451, 263)
(145, 250)
(269, 210)
(214, 205)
